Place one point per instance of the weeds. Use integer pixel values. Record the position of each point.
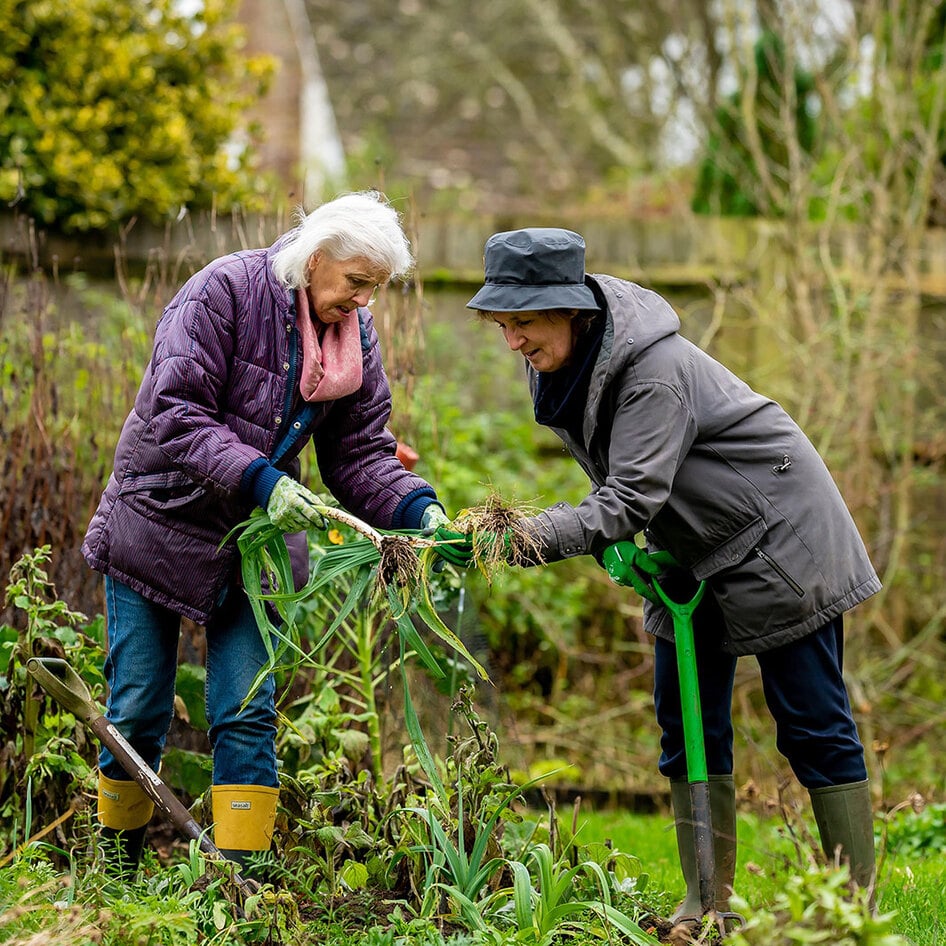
(815, 906)
(46, 759)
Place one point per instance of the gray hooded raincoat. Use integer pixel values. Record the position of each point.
(718, 475)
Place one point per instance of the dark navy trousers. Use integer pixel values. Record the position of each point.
(804, 691)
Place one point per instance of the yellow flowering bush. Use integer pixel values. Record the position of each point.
(111, 109)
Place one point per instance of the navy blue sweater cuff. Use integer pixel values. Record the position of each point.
(411, 508)
(258, 481)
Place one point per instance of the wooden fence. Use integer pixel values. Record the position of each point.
(690, 251)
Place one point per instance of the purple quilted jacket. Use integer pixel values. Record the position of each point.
(216, 417)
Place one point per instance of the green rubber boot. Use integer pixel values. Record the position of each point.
(845, 819)
(722, 792)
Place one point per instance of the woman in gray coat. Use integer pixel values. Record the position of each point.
(680, 449)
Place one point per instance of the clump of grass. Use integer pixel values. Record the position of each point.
(500, 535)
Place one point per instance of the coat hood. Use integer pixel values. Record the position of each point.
(637, 318)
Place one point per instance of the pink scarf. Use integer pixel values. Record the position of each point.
(331, 369)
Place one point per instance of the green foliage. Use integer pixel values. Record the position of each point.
(460, 873)
(329, 840)
(186, 771)
(178, 906)
(730, 181)
(893, 129)
(38, 904)
(316, 729)
(115, 108)
(910, 886)
(915, 888)
(831, 142)
(70, 361)
(182, 904)
(556, 903)
(816, 907)
(344, 841)
(912, 833)
(190, 685)
(46, 758)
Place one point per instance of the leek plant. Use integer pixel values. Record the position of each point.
(375, 579)
(555, 905)
(454, 870)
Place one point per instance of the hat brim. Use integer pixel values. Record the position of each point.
(498, 297)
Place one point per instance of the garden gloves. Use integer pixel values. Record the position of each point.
(292, 507)
(433, 518)
(457, 547)
(454, 547)
(629, 565)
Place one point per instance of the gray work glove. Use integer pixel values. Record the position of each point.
(433, 517)
(292, 507)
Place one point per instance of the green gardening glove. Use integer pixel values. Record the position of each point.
(629, 565)
(292, 507)
(457, 547)
(454, 547)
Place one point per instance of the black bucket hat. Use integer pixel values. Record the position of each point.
(534, 269)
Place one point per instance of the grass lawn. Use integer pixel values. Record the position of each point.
(911, 883)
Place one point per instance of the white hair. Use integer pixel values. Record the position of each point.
(362, 224)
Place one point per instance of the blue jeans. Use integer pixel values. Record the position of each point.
(804, 690)
(140, 670)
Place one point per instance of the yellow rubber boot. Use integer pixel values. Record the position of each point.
(244, 818)
(124, 811)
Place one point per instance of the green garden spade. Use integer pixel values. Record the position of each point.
(682, 614)
(62, 683)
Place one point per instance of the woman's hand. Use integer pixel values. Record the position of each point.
(293, 508)
(433, 518)
(629, 565)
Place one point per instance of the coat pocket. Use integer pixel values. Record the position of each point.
(780, 571)
(731, 551)
(168, 491)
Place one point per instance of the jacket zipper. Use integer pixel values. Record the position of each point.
(784, 575)
(291, 379)
(284, 437)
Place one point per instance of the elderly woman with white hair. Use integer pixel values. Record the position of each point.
(258, 353)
